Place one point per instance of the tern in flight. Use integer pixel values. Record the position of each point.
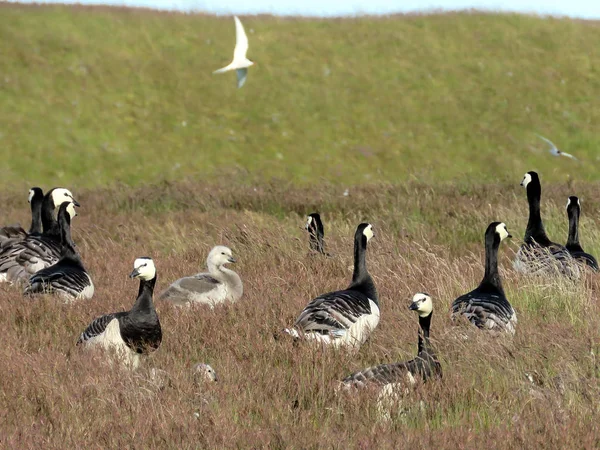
(554, 150)
(240, 63)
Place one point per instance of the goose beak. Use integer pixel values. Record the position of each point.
(75, 202)
(134, 274)
(509, 236)
(231, 259)
(413, 306)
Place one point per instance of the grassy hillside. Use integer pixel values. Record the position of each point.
(93, 96)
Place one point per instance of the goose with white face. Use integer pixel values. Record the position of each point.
(71, 210)
(502, 231)
(144, 269)
(526, 180)
(61, 195)
(31, 194)
(368, 232)
(422, 304)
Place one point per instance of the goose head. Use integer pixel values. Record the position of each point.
(61, 195)
(35, 192)
(422, 304)
(313, 222)
(143, 268)
(573, 205)
(498, 229)
(219, 256)
(366, 230)
(205, 372)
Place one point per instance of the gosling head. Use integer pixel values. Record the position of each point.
(220, 255)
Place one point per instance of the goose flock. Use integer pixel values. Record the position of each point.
(45, 260)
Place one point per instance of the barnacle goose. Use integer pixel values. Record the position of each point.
(403, 374)
(67, 278)
(217, 286)
(487, 306)
(130, 333)
(15, 232)
(347, 317)
(538, 254)
(22, 258)
(573, 246)
(316, 233)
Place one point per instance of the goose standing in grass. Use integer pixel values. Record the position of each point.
(487, 306)
(217, 286)
(15, 232)
(130, 333)
(240, 62)
(347, 317)
(573, 246)
(22, 258)
(316, 233)
(403, 374)
(68, 277)
(538, 254)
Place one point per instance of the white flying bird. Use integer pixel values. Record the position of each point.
(554, 150)
(240, 63)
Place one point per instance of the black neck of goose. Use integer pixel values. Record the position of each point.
(573, 239)
(425, 323)
(535, 227)
(361, 279)
(144, 300)
(67, 244)
(36, 215)
(49, 223)
(492, 276)
(316, 238)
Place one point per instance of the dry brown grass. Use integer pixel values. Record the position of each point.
(272, 393)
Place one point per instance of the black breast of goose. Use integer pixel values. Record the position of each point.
(403, 374)
(316, 233)
(487, 306)
(347, 317)
(11, 233)
(573, 246)
(130, 333)
(539, 254)
(68, 277)
(21, 259)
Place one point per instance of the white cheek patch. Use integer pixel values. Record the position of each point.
(308, 222)
(502, 231)
(526, 180)
(368, 232)
(145, 267)
(71, 210)
(425, 307)
(30, 195)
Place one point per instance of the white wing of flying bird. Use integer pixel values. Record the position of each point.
(554, 150)
(240, 63)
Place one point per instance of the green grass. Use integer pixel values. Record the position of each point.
(94, 96)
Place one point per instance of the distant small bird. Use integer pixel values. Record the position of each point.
(554, 150)
(240, 63)
(204, 372)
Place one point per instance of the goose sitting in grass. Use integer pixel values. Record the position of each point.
(573, 246)
(68, 277)
(130, 333)
(395, 379)
(19, 259)
(347, 317)
(538, 254)
(217, 286)
(487, 306)
(15, 232)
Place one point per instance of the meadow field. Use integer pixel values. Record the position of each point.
(427, 123)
